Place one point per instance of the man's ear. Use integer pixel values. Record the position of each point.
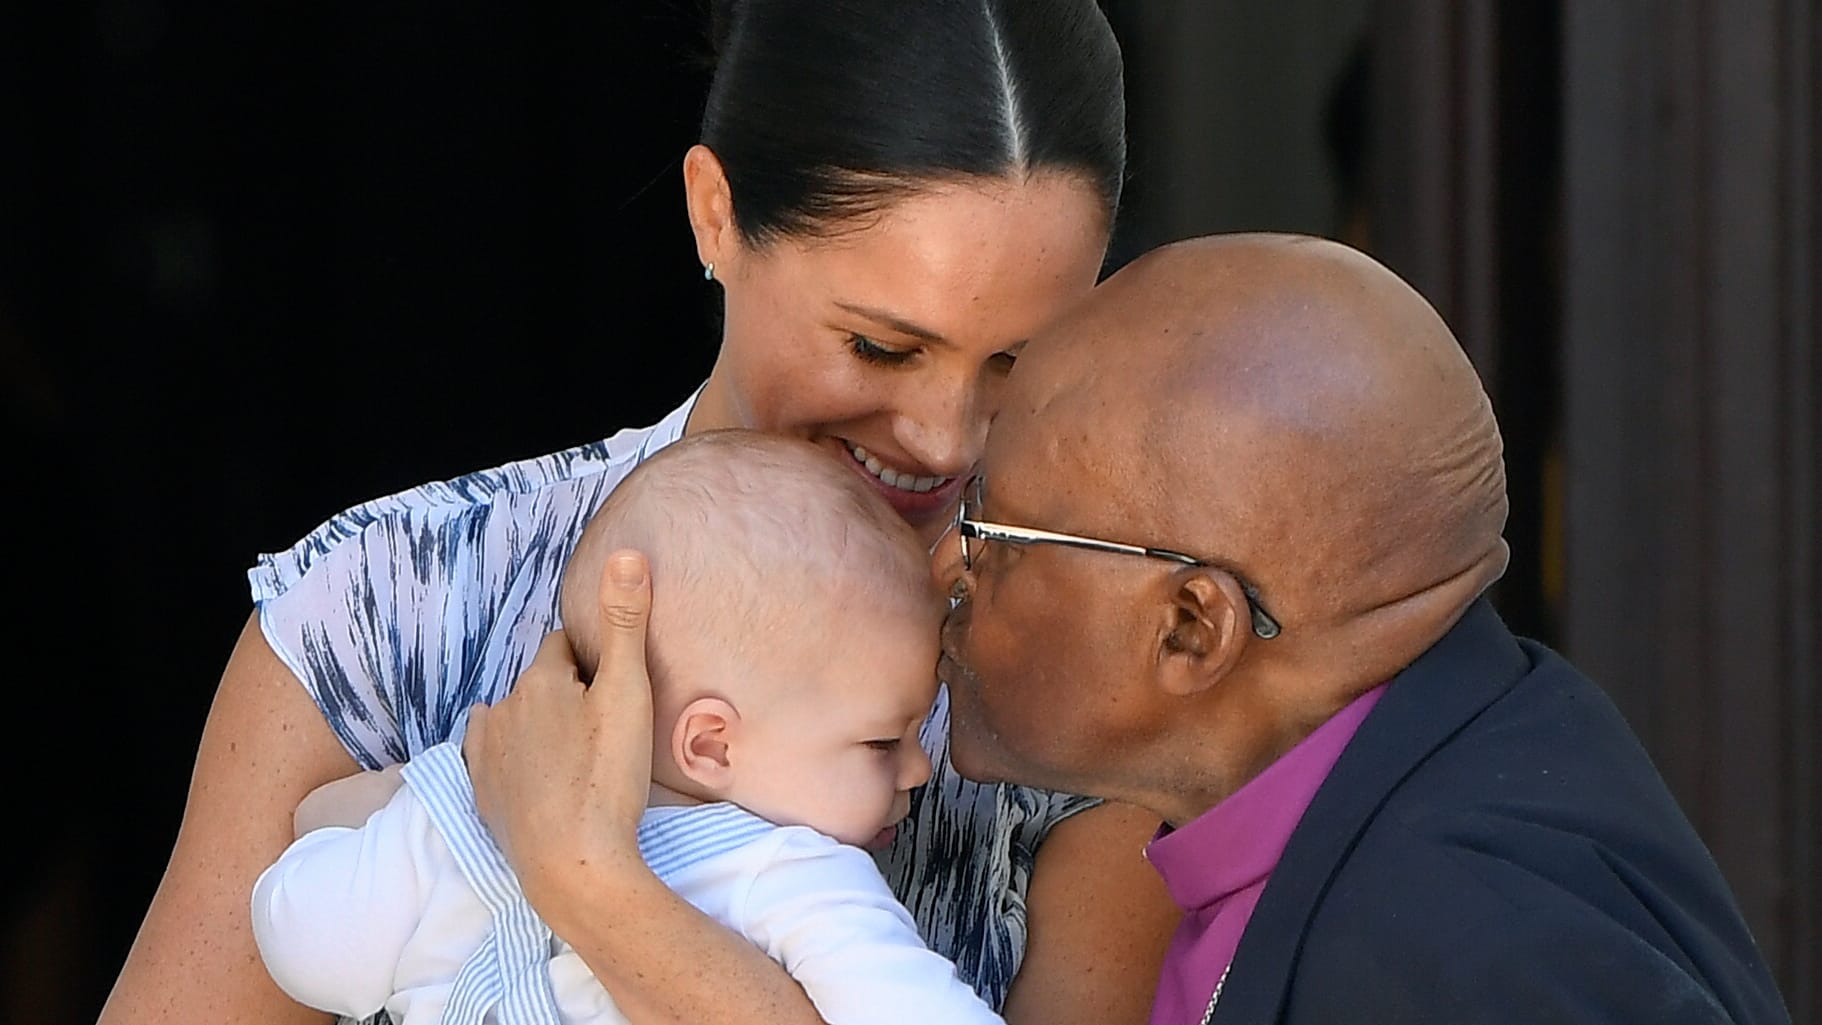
(700, 741)
(1208, 628)
(710, 203)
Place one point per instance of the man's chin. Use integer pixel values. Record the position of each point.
(972, 766)
(974, 755)
(975, 749)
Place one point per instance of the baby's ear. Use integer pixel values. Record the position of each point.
(699, 742)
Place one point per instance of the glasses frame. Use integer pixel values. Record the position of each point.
(969, 528)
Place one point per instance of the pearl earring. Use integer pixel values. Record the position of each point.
(708, 271)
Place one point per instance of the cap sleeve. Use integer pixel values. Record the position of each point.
(399, 628)
(400, 614)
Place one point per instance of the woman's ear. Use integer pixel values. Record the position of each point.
(710, 203)
(1208, 628)
(700, 742)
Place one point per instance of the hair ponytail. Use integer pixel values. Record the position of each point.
(823, 111)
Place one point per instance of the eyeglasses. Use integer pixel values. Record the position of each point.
(969, 527)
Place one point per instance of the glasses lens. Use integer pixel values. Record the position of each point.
(967, 509)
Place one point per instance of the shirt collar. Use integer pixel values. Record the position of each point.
(1236, 843)
(675, 838)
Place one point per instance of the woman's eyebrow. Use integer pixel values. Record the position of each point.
(893, 321)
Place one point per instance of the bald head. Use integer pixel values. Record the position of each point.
(1287, 406)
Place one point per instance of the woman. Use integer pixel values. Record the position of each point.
(893, 197)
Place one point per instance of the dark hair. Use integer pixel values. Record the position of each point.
(823, 111)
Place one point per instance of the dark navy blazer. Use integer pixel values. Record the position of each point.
(1495, 846)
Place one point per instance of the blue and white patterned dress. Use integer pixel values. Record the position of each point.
(401, 613)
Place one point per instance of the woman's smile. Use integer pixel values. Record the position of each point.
(902, 480)
(918, 497)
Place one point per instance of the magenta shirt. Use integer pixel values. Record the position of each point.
(1216, 865)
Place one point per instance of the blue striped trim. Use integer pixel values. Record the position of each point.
(511, 969)
(672, 840)
(476, 987)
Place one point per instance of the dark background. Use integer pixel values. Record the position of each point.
(262, 262)
(259, 262)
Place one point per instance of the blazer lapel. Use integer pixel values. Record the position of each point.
(1425, 705)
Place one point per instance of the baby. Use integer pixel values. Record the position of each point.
(792, 647)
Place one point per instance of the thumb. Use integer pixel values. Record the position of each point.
(626, 605)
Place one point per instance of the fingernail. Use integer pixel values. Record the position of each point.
(628, 571)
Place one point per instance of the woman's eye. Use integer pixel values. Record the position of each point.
(872, 352)
(1002, 361)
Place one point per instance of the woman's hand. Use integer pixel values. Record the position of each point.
(561, 775)
(562, 771)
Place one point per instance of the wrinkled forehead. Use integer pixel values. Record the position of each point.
(1052, 453)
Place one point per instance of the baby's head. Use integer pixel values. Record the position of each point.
(793, 635)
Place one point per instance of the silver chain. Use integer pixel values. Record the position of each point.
(1209, 1014)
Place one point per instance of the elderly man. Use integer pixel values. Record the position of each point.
(1226, 562)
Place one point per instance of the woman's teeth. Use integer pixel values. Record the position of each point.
(901, 481)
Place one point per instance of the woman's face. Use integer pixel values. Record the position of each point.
(887, 345)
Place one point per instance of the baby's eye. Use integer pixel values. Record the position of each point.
(887, 745)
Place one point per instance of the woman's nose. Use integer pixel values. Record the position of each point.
(947, 428)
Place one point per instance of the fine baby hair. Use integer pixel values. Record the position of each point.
(750, 537)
